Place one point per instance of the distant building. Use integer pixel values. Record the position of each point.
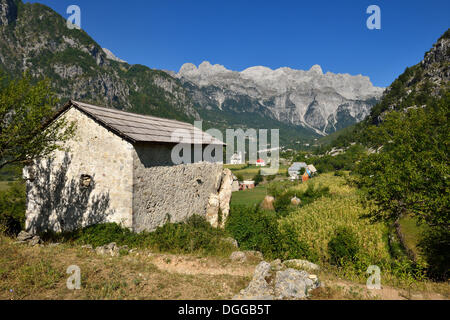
(305, 177)
(311, 169)
(236, 158)
(247, 184)
(294, 170)
(260, 163)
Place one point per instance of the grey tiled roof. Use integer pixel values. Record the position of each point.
(296, 166)
(143, 128)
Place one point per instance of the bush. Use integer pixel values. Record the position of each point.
(255, 229)
(283, 204)
(277, 188)
(258, 178)
(95, 235)
(343, 247)
(293, 248)
(436, 249)
(195, 235)
(101, 234)
(339, 174)
(12, 208)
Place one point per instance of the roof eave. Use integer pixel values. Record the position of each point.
(104, 124)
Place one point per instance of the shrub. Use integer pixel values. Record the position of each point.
(195, 235)
(436, 249)
(282, 202)
(339, 174)
(343, 247)
(95, 235)
(277, 188)
(101, 234)
(293, 248)
(12, 208)
(258, 178)
(255, 229)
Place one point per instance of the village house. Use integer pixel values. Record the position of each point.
(119, 168)
(311, 170)
(236, 158)
(295, 168)
(247, 185)
(260, 163)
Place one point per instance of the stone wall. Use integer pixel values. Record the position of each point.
(164, 191)
(90, 184)
(104, 178)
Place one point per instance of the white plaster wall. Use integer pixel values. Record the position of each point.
(94, 151)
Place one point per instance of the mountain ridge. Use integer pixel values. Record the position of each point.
(35, 39)
(308, 98)
(428, 79)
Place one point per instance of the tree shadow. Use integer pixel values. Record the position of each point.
(64, 205)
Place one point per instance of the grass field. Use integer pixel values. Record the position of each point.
(412, 233)
(249, 172)
(249, 197)
(4, 185)
(40, 273)
(316, 223)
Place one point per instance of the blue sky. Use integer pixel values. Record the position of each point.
(165, 34)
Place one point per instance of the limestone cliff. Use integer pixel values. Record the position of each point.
(322, 102)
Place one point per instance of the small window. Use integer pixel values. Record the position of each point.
(86, 181)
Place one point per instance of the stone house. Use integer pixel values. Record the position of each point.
(247, 185)
(118, 168)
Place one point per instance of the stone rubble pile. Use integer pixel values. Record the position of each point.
(111, 249)
(27, 238)
(243, 256)
(276, 281)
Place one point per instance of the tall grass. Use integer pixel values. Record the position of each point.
(317, 223)
(195, 236)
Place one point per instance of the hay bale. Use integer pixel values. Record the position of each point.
(267, 203)
(296, 201)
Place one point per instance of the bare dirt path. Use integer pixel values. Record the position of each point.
(341, 289)
(207, 266)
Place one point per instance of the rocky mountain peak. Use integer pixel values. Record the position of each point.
(316, 69)
(8, 11)
(39, 42)
(112, 56)
(321, 102)
(435, 62)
